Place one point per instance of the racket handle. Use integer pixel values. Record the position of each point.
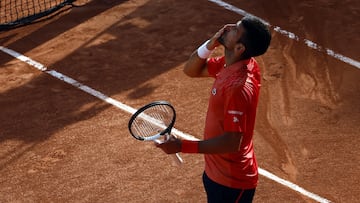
(177, 159)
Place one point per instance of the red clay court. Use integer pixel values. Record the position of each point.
(61, 144)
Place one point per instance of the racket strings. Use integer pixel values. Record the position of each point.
(144, 128)
(153, 120)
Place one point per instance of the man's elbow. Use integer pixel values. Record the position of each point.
(189, 73)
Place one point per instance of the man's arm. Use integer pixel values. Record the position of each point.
(229, 142)
(196, 66)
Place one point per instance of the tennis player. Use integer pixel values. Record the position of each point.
(231, 172)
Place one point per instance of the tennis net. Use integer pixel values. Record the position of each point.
(14, 13)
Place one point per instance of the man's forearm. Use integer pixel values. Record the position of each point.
(195, 66)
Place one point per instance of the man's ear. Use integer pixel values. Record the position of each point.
(239, 49)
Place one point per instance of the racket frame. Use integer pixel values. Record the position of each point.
(177, 158)
(154, 121)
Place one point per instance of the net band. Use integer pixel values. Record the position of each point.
(14, 13)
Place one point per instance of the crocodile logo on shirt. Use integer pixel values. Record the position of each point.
(213, 91)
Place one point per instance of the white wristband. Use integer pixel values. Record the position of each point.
(203, 52)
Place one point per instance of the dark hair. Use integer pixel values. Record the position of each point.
(256, 37)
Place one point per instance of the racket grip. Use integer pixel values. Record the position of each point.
(177, 159)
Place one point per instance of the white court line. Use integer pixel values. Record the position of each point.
(291, 35)
(131, 110)
(82, 87)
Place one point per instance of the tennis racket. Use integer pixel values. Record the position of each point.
(153, 121)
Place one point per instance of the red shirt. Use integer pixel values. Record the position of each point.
(232, 108)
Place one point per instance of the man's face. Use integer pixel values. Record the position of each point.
(231, 35)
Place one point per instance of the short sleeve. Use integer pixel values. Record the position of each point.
(214, 65)
(254, 69)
